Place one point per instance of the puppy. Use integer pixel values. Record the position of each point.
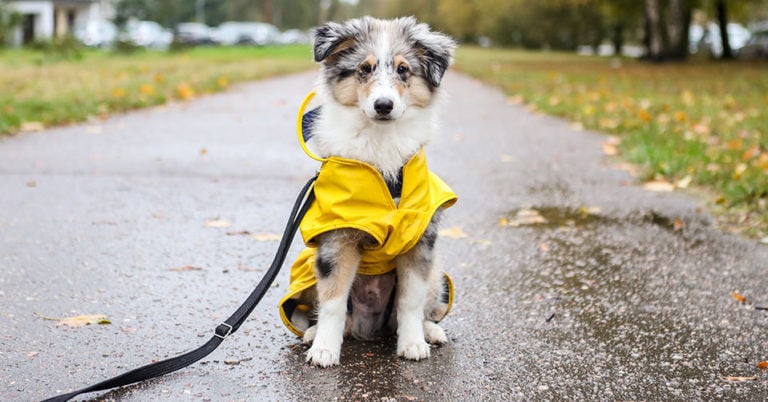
(378, 87)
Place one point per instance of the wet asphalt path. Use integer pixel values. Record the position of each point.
(622, 294)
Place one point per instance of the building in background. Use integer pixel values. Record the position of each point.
(48, 19)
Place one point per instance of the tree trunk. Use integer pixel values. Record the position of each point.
(675, 26)
(268, 11)
(617, 37)
(655, 46)
(722, 19)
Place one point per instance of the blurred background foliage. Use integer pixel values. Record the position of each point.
(659, 25)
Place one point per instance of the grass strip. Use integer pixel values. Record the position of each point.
(701, 125)
(39, 89)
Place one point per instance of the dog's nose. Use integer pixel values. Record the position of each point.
(383, 106)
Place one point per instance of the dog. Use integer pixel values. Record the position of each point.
(378, 87)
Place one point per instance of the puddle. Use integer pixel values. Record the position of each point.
(553, 217)
(569, 218)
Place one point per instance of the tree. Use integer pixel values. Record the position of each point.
(653, 41)
(9, 20)
(721, 12)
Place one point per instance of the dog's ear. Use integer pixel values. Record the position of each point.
(435, 50)
(332, 38)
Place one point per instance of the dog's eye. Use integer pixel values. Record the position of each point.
(365, 69)
(402, 71)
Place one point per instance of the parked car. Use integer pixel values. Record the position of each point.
(193, 33)
(711, 40)
(148, 34)
(756, 47)
(294, 37)
(246, 33)
(96, 33)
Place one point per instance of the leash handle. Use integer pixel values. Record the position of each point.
(226, 328)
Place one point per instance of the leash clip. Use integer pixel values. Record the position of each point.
(222, 331)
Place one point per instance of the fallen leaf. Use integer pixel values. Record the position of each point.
(658, 186)
(739, 298)
(147, 89)
(762, 365)
(740, 379)
(525, 217)
(610, 149)
(267, 237)
(29, 126)
(684, 182)
(184, 91)
(645, 116)
(83, 320)
(185, 269)
(454, 232)
(738, 172)
(586, 211)
(239, 233)
(752, 152)
(217, 223)
(677, 225)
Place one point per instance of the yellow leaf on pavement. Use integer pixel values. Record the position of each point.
(266, 237)
(659, 186)
(524, 217)
(740, 379)
(684, 182)
(29, 126)
(217, 223)
(83, 320)
(454, 232)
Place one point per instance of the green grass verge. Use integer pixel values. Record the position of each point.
(701, 123)
(40, 89)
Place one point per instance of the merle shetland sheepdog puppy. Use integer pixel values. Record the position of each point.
(378, 88)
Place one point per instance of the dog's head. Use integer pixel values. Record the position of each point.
(383, 67)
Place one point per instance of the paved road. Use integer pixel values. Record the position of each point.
(621, 294)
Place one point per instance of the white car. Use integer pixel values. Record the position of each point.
(248, 33)
(96, 33)
(193, 33)
(712, 42)
(148, 34)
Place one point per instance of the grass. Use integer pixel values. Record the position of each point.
(701, 125)
(39, 89)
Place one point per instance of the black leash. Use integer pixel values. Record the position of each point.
(226, 328)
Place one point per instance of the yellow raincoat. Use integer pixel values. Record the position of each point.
(353, 194)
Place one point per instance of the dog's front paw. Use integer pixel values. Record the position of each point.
(309, 334)
(415, 350)
(322, 357)
(434, 334)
